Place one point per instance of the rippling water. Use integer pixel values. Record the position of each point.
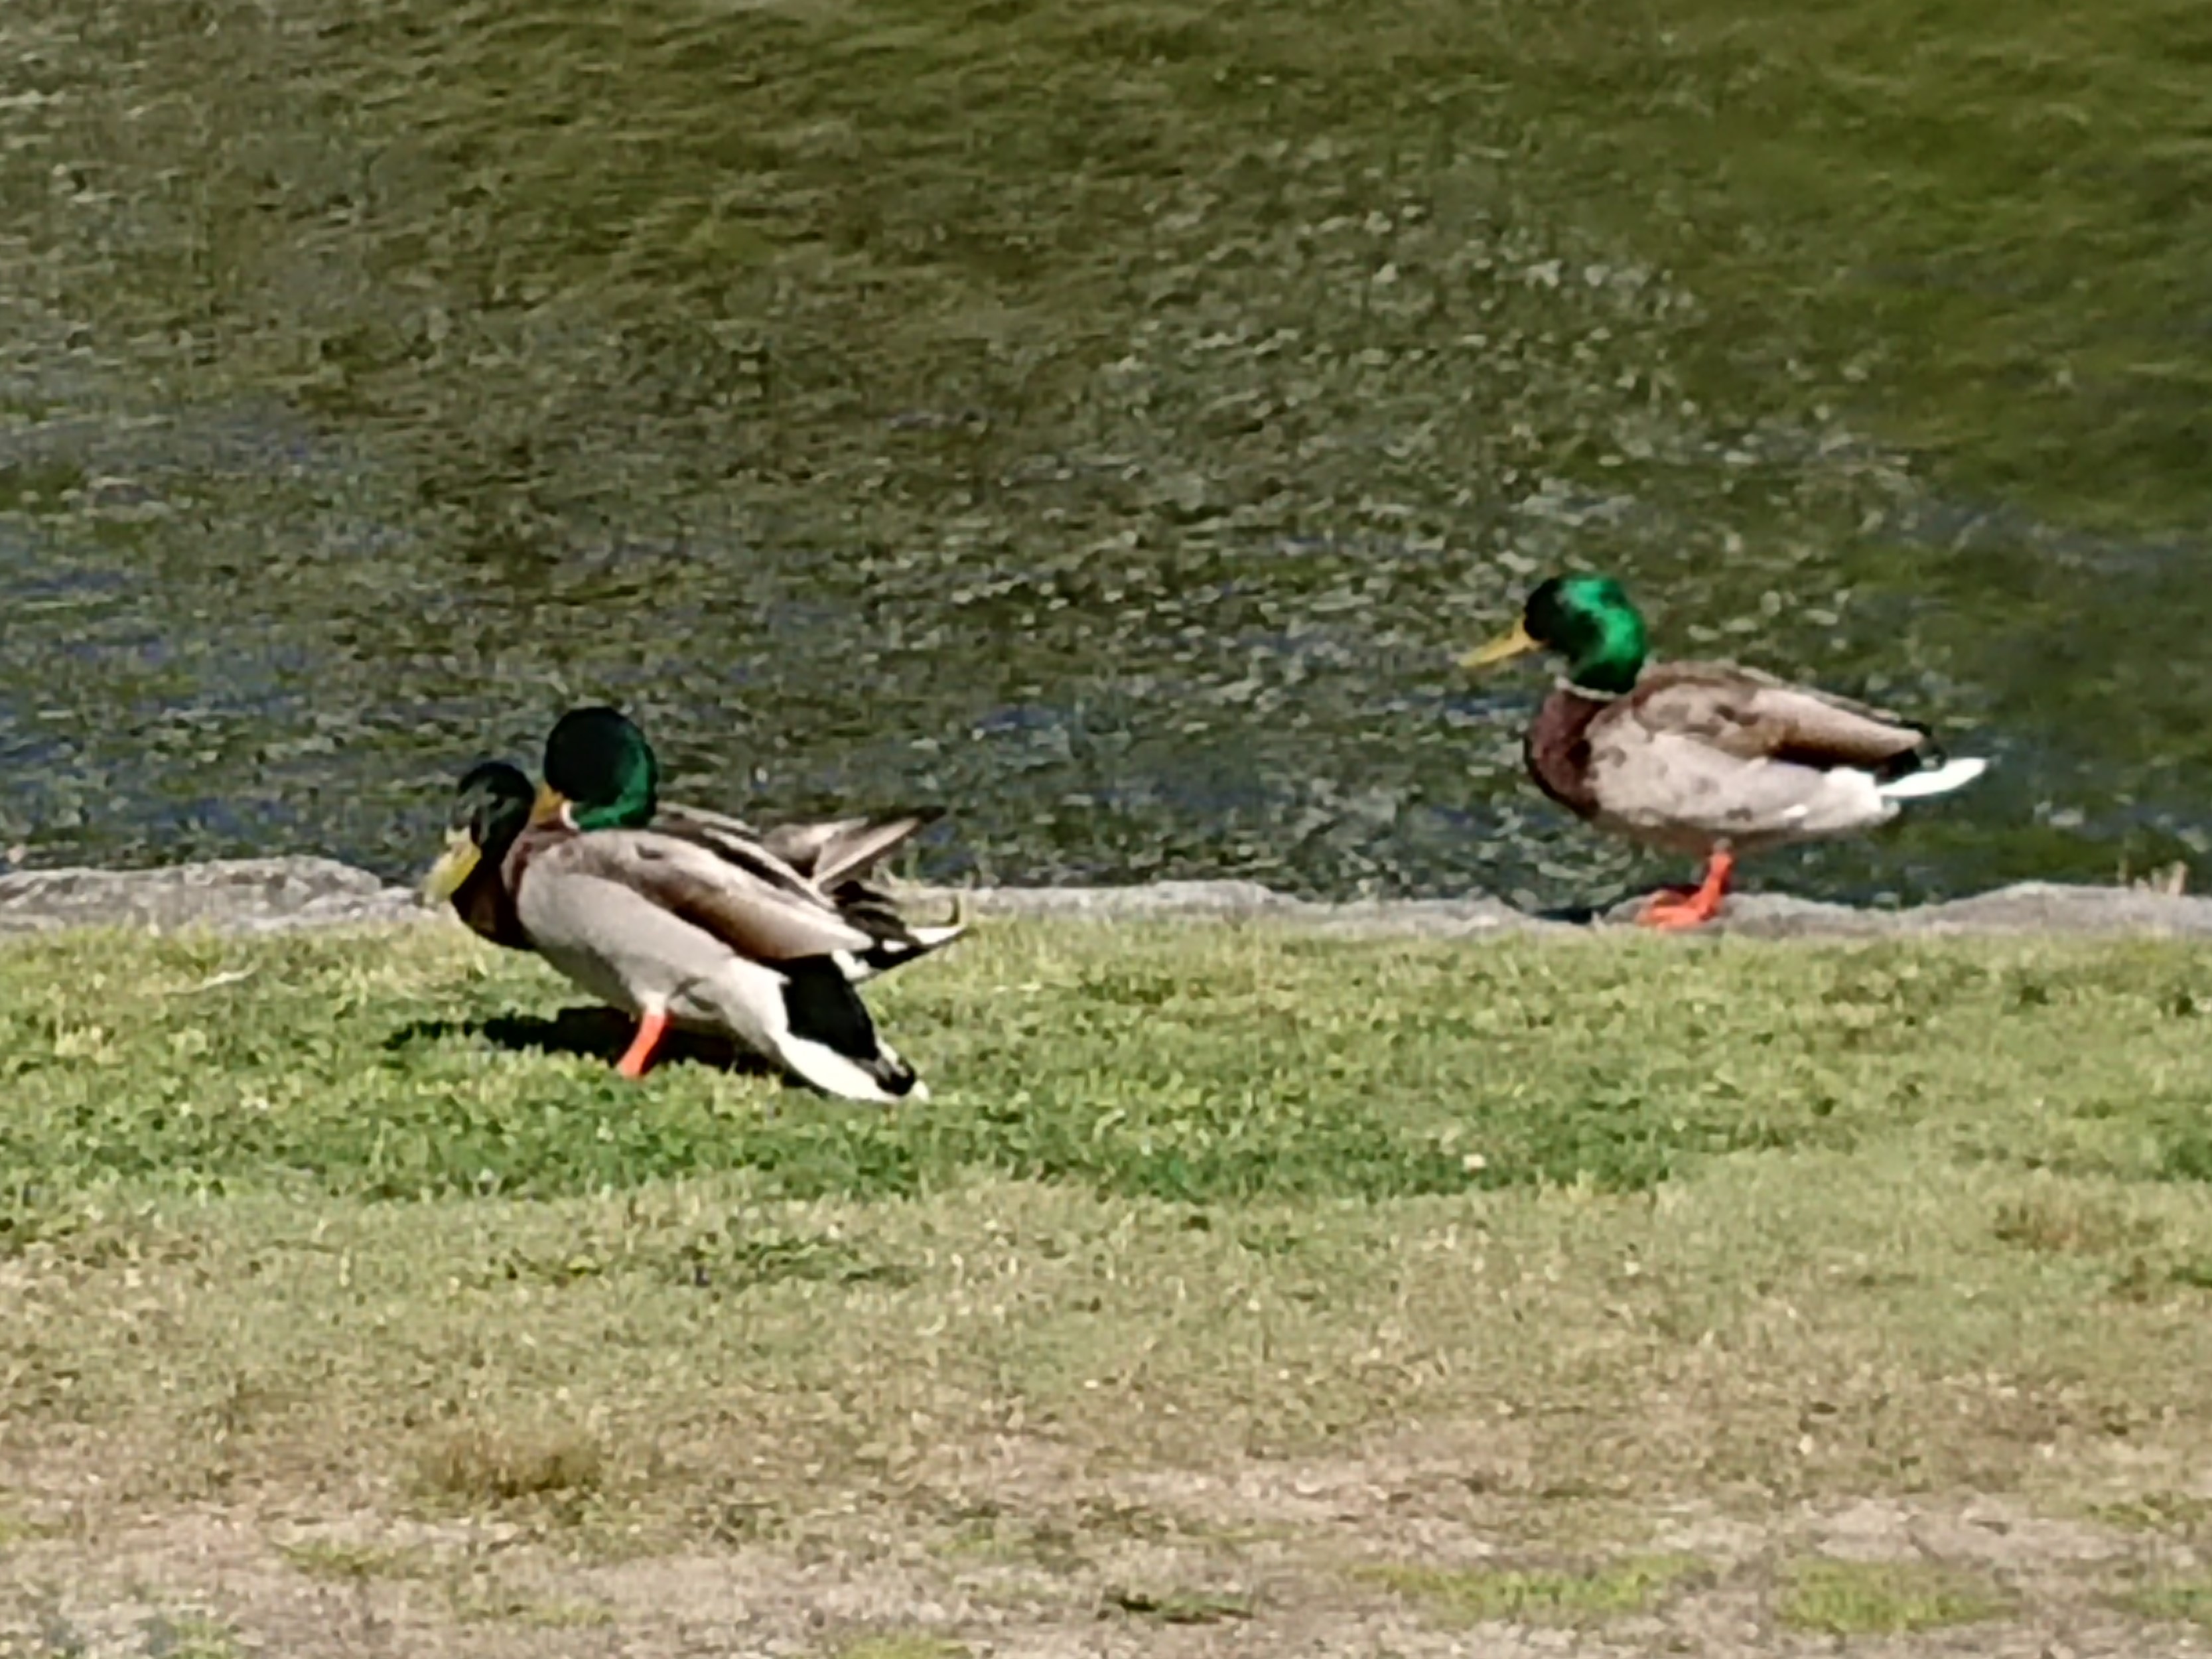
(1108, 421)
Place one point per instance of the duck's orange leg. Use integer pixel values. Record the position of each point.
(1672, 910)
(651, 1026)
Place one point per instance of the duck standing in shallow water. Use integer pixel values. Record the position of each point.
(715, 934)
(1707, 759)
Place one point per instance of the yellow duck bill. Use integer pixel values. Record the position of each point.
(454, 867)
(1518, 643)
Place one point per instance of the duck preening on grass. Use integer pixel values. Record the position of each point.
(1704, 757)
(685, 918)
(598, 758)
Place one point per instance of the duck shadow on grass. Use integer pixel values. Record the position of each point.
(586, 1031)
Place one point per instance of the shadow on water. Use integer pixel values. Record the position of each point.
(586, 1031)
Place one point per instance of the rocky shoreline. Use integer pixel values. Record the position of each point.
(250, 895)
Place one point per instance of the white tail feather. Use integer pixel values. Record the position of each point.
(835, 1074)
(1951, 774)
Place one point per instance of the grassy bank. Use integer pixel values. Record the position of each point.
(1239, 1287)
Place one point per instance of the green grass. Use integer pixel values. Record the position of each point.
(1180, 1067)
(188, 1637)
(1617, 1227)
(1471, 1595)
(2179, 1513)
(2179, 1600)
(1884, 1598)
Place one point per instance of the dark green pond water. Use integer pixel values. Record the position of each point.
(1105, 418)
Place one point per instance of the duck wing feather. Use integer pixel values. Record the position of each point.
(1706, 751)
(1753, 716)
(742, 895)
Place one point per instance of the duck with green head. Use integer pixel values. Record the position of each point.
(1702, 757)
(598, 758)
(691, 923)
(492, 805)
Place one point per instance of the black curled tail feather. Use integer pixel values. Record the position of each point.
(1923, 756)
(821, 1006)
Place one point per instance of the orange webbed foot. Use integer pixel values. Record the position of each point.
(651, 1026)
(1674, 911)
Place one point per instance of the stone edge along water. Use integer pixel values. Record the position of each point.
(250, 896)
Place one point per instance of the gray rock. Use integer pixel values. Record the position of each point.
(265, 895)
(2029, 906)
(1233, 900)
(1213, 900)
(2047, 907)
(228, 895)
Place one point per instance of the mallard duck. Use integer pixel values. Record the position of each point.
(599, 759)
(714, 934)
(1704, 757)
(491, 807)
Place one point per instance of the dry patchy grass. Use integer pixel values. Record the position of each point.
(1538, 1596)
(1884, 1598)
(1227, 1259)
